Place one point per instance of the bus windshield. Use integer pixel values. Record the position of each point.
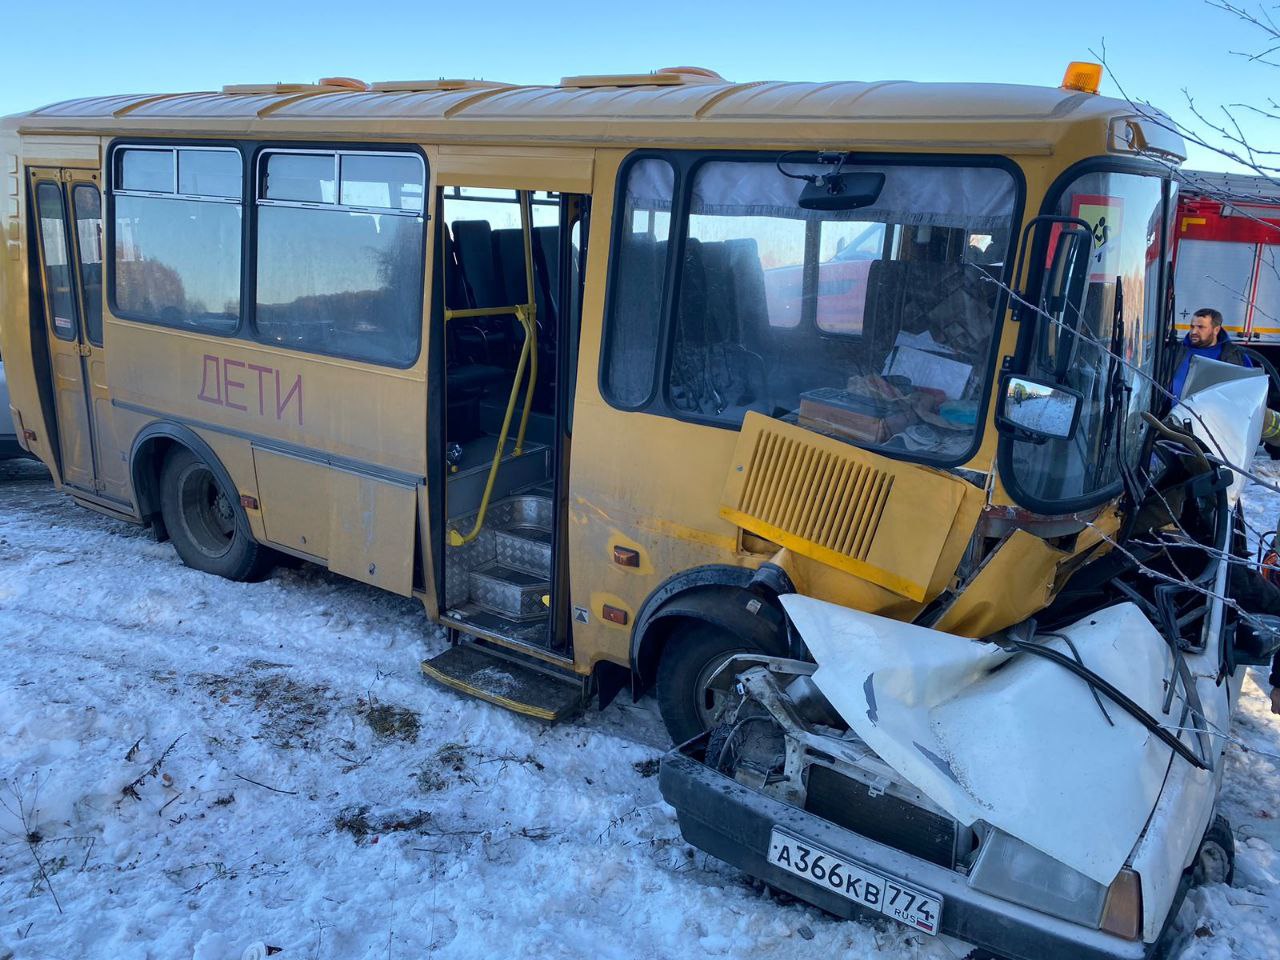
(871, 325)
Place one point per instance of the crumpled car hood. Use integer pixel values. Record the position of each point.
(1016, 741)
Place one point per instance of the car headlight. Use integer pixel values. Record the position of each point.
(1012, 870)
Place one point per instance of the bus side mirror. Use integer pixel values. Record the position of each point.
(1033, 410)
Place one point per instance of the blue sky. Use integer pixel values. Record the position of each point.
(1154, 48)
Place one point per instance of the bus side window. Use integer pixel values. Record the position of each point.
(340, 254)
(177, 254)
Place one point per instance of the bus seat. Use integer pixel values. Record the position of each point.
(509, 247)
(546, 256)
(474, 246)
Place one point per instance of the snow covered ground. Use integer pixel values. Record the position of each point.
(189, 767)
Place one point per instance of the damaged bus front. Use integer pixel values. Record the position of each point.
(1029, 757)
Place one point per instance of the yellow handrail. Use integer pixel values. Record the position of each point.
(526, 316)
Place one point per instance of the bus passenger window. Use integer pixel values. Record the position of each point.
(178, 237)
(636, 310)
(873, 325)
(340, 254)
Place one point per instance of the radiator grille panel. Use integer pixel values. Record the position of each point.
(885, 818)
(817, 495)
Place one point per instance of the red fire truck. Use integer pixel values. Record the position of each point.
(1227, 255)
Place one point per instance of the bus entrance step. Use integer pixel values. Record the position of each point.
(513, 593)
(522, 687)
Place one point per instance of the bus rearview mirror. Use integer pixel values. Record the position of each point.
(842, 191)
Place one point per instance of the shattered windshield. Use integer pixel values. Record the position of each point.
(871, 325)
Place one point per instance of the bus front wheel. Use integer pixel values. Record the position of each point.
(687, 700)
(204, 520)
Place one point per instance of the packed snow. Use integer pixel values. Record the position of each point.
(203, 770)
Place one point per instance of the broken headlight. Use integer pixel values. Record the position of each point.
(1012, 870)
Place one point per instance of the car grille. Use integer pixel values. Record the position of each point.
(884, 818)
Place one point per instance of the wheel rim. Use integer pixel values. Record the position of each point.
(1214, 864)
(207, 514)
(712, 702)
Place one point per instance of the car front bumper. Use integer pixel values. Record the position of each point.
(734, 823)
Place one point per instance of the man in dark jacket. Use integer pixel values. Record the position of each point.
(1206, 338)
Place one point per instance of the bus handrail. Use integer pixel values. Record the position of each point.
(526, 315)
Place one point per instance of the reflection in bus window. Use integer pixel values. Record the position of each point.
(177, 262)
(1117, 312)
(57, 265)
(872, 325)
(337, 280)
(150, 171)
(210, 173)
(177, 255)
(86, 203)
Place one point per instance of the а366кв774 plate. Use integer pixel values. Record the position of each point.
(907, 904)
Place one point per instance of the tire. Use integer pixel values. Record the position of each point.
(1216, 859)
(205, 522)
(692, 653)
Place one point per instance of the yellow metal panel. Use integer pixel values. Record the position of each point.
(63, 151)
(371, 533)
(293, 494)
(362, 525)
(1015, 582)
(876, 518)
(565, 171)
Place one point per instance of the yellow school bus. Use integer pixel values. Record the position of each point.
(597, 369)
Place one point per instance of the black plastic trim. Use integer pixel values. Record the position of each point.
(376, 471)
(182, 434)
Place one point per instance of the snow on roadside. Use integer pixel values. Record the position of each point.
(204, 765)
(389, 818)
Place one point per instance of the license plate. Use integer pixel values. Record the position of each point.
(907, 904)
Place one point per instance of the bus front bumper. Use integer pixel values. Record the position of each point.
(734, 823)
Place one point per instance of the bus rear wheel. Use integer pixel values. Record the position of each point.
(204, 520)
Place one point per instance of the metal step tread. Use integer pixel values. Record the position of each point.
(524, 547)
(513, 593)
(535, 534)
(479, 621)
(500, 573)
(502, 681)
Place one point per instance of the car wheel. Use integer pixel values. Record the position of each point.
(205, 521)
(1216, 859)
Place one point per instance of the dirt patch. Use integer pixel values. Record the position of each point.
(365, 826)
(434, 775)
(391, 722)
(647, 768)
(289, 712)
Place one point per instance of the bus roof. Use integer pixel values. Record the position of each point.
(663, 107)
(670, 106)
